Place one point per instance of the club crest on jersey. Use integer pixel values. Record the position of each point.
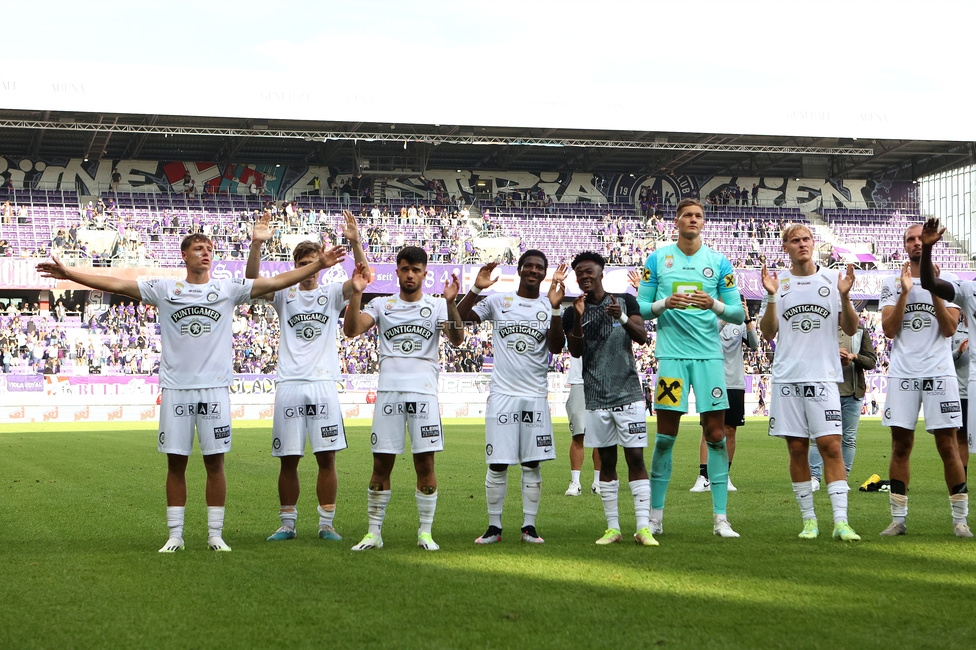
(323, 300)
(520, 346)
(708, 272)
(212, 296)
(668, 261)
(824, 291)
(543, 316)
(425, 312)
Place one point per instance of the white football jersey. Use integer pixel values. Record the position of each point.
(919, 349)
(808, 310)
(519, 337)
(408, 342)
(307, 349)
(966, 299)
(195, 324)
(733, 336)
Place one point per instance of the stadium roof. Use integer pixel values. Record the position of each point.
(386, 147)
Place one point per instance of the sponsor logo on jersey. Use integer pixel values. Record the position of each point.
(820, 310)
(525, 417)
(668, 391)
(305, 318)
(812, 392)
(646, 274)
(729, 280)
(432, 431)
(330, 431)
(949, 407)
(521, 328)
(831, 415)
(220, 433)
(543, 441)
(885, 294)
(400, 330)
(637, 428)
(408, 408)
(195, 310)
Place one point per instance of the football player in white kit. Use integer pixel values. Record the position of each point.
(406, 398)
(953, 449)
(196, 368)
(801, 310)
(526, 328)
(306, 398)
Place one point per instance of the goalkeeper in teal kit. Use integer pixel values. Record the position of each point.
(687, 286)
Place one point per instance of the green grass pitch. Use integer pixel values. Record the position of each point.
(83, 515)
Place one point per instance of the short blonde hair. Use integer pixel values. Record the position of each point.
(792, 228)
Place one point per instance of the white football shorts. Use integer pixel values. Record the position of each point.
(517, 430)
(624, 425)
(307, 409)
(398, 413)
(938, 398)
(808, 409)
(206, 410)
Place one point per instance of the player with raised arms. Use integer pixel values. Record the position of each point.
(688, 286)
(196, 366)
(526, 328)
(601, 328)
(801, 310)
(406, 400)
(306, 397)
(920, 313)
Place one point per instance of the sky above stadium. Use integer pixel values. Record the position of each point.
(858, 69)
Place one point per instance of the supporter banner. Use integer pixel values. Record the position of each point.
(21, 383)
(289, 182)
(867, 284)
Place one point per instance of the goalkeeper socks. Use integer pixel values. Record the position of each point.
(661, 469)
(718, 469)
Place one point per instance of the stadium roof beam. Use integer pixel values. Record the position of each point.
(436, 138)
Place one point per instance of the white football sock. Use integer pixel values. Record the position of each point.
(608, 492)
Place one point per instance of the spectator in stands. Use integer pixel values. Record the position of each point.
(8, 212)
(116, 179)
(345, 192)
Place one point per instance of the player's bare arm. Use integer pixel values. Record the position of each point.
(929, 275)
(481, 282)
(848, 317)
(575, 341)
(350, 230)
(557, 291)
(328, 257)
(892, 315)
(356, 322)
(260, 233)
(769, 323)
(58, 271)
(453, 327)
